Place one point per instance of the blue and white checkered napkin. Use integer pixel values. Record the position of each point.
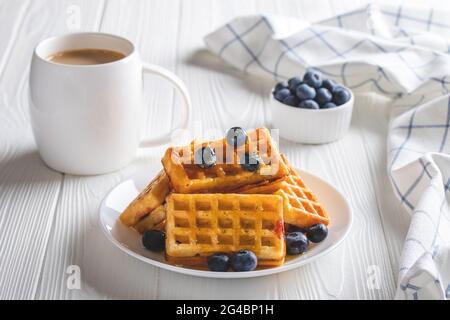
(399, 52)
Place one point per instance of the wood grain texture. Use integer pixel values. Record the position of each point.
(49, 221)
(76, 216)
(29, 190)
(25, 220)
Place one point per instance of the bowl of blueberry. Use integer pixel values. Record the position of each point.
(311, 109)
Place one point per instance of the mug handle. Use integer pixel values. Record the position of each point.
(148, 142)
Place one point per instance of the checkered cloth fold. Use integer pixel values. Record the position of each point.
(399, 52)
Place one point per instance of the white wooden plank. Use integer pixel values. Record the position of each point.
(105, 271)
(24, 224)
(12, 14)
(374, 118)
(29, 190)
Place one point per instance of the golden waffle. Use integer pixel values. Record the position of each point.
(198, 225)
(153, 221)
(301, 207)
(152, 197)
(187, 177)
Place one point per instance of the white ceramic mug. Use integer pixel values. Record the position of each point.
(86, 118)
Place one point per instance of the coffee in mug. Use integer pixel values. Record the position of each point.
(85, 56)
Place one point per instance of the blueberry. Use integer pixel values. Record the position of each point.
(308, 104)
(282, 94)
(291, 101)
(218, 262)
(296, 243)
(329, 84)
(281, 85)
(317, 232)
(251, 162)
(294, 82)
(236, 136)
(340, 96)
(313, 79)
(205, 157)
(244, 260)
(305, 92)
(154, 240)
(328, 105)
(323, 96)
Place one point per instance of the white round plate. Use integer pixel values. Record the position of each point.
(129, 240)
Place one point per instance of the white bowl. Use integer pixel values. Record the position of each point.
(311, 126)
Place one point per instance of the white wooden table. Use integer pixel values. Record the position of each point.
(49, 221)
